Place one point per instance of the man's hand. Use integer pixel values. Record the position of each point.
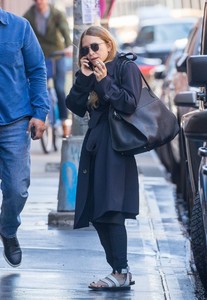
(38, 127)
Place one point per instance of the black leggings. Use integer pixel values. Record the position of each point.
(113, 238)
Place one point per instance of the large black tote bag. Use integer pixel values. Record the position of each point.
(150, 126)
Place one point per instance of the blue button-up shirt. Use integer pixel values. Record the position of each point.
(23, 86)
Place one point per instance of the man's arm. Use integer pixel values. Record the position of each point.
(37, 79)
(63, 27)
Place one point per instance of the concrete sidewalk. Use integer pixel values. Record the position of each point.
(59, 263)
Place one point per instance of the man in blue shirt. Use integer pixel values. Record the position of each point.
(24, 105)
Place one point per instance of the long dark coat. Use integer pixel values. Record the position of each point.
(107, 180)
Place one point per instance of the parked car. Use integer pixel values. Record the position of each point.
(194, 129)
(146, 66)
(156, 37)
(174, 80)
(163, 87)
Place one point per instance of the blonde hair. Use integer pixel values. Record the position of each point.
(103, 34)
(106, 36)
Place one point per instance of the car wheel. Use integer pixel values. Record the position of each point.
(198, 240)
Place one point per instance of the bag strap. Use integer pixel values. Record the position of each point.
(125, 58)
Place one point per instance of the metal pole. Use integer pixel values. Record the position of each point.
(85, 15)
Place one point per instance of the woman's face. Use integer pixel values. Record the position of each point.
(100, 48)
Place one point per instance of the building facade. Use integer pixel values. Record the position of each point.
(17, 7)
(129, 7)
(122, 7)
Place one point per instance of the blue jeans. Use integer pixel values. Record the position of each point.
(59, 83)
(14, 174)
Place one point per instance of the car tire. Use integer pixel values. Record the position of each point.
(198, 241)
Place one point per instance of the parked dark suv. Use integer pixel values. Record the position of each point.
(174, 76)
(194, 128)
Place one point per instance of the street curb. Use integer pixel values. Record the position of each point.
(61, 218)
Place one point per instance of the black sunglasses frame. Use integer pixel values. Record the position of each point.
(94, 47)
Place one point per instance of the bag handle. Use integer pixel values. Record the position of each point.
(131, 57)
(145, 81)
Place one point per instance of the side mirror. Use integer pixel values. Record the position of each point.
(197, 70)
(159, 72)
(188, 99)
(195, 128)
(181, 63)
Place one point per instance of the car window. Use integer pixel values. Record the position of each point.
(171, 32)
(162, 33)
(146, 36)
(194, 45)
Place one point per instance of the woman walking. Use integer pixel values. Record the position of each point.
(107, 190)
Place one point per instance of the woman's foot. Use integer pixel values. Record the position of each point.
(113, 281)
(121, 278)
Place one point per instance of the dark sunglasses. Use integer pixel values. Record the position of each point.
(94, 47)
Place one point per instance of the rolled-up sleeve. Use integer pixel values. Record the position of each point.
(36, 74)
(77, 98)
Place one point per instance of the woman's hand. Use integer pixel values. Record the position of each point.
(100, 70)
(86, 66)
